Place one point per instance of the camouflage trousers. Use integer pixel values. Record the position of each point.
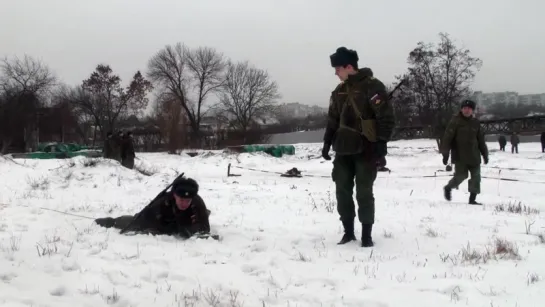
(346, 168)
(461, 171)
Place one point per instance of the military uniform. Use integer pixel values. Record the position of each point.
(127, 151)
(360, 122)
(107, 147)
(503, 141)
(515, 143)
(465, 138)
(163, 217)
(542, 141)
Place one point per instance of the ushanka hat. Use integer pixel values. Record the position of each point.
(468, 103)
(185, 187)
(343, 57)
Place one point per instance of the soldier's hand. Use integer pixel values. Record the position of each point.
(445, 159)
(381, 149)
(325, 152)
(485, 160)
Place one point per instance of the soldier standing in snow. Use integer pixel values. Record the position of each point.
(515, 143)
(542, 141)
(465, 139)
(503, 141)
(107, 147)
(179, 212)
(127, 150)
(360, 123)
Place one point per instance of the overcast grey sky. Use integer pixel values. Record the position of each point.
(292, 39)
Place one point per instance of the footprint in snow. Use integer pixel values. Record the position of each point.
(258, 248)
(58, 291)
(7, 277)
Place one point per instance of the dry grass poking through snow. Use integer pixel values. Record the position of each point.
(516, 208)
(499, 249)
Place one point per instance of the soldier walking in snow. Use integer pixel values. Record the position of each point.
(465, 139)
(515, 143)
(360, 123)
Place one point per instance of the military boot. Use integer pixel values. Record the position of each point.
(447, 192)
(107, 222)
(348, 232)
(472, 199)
(366, 239)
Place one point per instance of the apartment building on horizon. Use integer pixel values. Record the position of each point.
(486, 99)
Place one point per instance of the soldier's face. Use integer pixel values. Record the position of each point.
(342, 72)
(182, 203)
(467, 111)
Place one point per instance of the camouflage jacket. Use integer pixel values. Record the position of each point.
(127, 148)
(107, 149)
(465, 139)
(515, 139)
(162, 217)
(359, 114)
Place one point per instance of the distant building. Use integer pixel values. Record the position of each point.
(487, 99)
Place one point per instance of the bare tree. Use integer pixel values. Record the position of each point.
(102, 99)
(26, 75)
(24, 86)
(438, 78)
(179, 69)
(170, 119)
(248, 94)
(206, 66)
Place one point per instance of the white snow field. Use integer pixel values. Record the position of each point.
(279, 235)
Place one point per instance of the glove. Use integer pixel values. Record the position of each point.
(107, 222)
(485, 160)
(445, 159)
(381, 162)
(325, 151)
(381, 149)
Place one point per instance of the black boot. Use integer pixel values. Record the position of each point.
(107, 222)
(447, 192)
(366, 239)
(472, 199)
(348, 232)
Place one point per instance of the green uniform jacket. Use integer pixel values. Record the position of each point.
(353, 131)
(465, 138)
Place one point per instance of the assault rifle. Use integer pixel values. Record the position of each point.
(396, 88)
(142, 213)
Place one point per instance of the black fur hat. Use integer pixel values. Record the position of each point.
(367, 71)
(468, 103)
(185, 187)
(343, 57)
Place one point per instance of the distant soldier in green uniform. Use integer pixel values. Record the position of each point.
(360, 123)
(107, 147)
(465, 138)
(503, 141)
(515, 143)
(127, 150)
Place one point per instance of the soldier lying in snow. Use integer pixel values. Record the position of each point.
(181, 211)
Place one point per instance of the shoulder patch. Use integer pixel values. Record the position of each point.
(376, 99)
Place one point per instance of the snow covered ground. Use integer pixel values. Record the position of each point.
(279, 234)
